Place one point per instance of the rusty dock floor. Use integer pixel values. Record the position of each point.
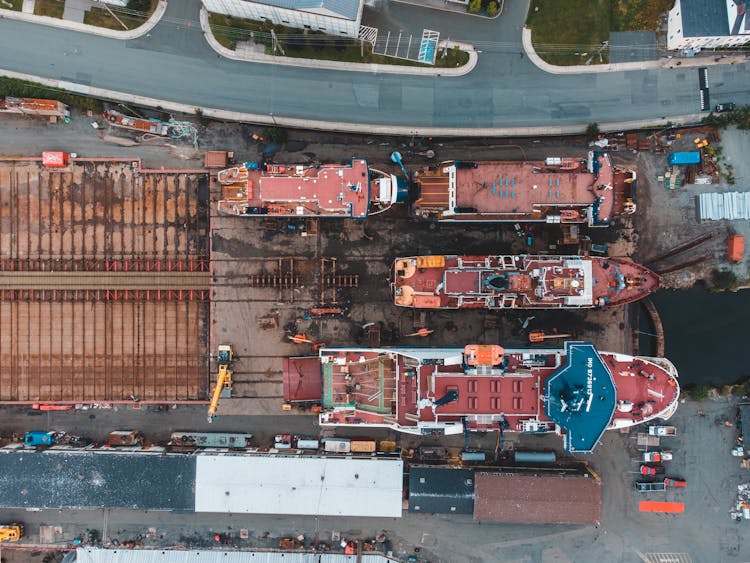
(104, 283)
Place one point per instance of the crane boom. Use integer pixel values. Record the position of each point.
(223, 379)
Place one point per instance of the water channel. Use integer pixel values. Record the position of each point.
(705, 334)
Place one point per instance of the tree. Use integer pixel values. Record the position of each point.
(699, 393)
(723, 280)
(475, 6)
(492, 9)
(592, 131)
(276, 135)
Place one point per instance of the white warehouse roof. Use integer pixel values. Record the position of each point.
(299, 485)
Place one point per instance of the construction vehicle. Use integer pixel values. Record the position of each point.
(223, 379)
(300, 338)
(11, 532)
(541, 336)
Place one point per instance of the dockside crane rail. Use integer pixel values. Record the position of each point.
(223, 379)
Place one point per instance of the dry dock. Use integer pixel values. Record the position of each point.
(104, 282)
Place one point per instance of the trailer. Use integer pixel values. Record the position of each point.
(647, 487)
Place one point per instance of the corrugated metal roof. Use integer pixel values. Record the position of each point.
(94, 480)
(727, 205)
(704, 18)
(441, 490)
(91, 555)
(348, 9)
(291, 485)
(542, 499)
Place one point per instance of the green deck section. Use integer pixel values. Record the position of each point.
(328, 401)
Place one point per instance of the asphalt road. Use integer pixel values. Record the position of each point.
(505, 89)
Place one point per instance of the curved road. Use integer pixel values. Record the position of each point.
(175, 63)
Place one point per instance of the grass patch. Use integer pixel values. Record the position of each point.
(569, 32)
(312, 44)
(51, 8)
(11, 4)
(25, 89)
(101, 17)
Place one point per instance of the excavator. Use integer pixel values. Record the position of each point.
(223, 379)
(10, 532)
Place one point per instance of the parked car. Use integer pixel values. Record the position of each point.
(728, 106)
(650, 469)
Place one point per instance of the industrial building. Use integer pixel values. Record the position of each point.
(242, 483)
(545, 498)
(441, 490)
(708, 24)
(332, 17)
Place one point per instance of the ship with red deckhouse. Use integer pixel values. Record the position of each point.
(576, 391)
(519, 282)
(592, 191)
(346, 191)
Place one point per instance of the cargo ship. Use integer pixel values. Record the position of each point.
(591, 191)
(351, 191)
(519, 282)
(575, 391)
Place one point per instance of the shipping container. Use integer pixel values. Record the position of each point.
(534, 457)
(338, 445)
(473, 456)
(684, 158)
(735, 248)
(305, 444)
(363, 446)
(54, 159)
(125, 438)
(659, 506)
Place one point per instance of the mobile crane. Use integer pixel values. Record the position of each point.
(10, 532)
(223, 379)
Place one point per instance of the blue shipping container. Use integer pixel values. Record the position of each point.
(683, 158)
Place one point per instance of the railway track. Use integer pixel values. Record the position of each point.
(105, 280)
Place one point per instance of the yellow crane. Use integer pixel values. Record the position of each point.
(223, 378)
(10, 532)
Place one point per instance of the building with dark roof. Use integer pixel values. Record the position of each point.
(332, 17)
(696, 24)
(537, 499)
(441, 490)
(88, 480)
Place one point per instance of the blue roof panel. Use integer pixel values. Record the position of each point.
(704, 18)
(581, 397)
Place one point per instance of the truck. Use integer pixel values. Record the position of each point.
(674, 483)
(667, 483)
(662, 431)
(657, 456)
(11, 532)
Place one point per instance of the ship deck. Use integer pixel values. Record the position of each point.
(521, 191)
(453, 282)
(579, 389)
(332, 191)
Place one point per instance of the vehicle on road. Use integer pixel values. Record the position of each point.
(11, 532)
(657, 456)
(647, 469)
(727, 106)
(662, 430)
